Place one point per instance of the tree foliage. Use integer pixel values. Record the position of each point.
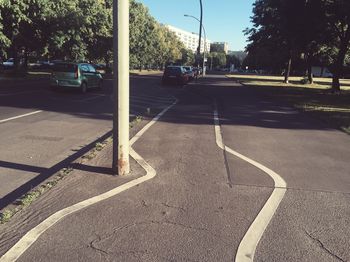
(286, 30)
(82, 30)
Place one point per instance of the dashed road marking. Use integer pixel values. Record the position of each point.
(247, 247)
(20, 116)
(31, 236)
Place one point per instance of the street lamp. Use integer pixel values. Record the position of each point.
(205, 41)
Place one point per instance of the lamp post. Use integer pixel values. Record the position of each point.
(205, 41)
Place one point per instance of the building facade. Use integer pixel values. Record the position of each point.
(190, 40)
(219, 47)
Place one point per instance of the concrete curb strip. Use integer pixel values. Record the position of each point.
(30, 237)
(250, 241)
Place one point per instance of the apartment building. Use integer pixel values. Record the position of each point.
(219, 47)
(190, 40)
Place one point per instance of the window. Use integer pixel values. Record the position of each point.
(85, 68)
(92, 69)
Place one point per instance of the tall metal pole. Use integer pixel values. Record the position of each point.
(123, 86)
(122, 94)
(200, 32)
(205, 41)
(205, 47)
(115, 87)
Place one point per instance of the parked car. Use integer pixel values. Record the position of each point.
(10, 63)
(175, 75)
(189, 72)
(101, 68)
(81, 76)
(43, 65)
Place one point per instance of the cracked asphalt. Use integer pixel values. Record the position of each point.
(201, 202)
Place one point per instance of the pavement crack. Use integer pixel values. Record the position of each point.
(323, 247)
(93, 246)
(174, 207)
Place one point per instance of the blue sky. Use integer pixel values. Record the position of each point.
(223, 20)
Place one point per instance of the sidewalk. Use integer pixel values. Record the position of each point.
(89, 178)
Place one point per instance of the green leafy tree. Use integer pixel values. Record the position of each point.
(217, 59)
(4, 40)
(233, 60)
(337, 14)
(188, 57)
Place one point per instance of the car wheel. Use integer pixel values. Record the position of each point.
(83, 88)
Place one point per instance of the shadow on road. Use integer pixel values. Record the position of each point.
(45, 173)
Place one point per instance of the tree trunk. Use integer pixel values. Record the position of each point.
(15, 58)
(339, 64)
(336, 82)
(338, 67)
(310, 76)
(140, 69)
(25, 62)
(287, 71)
(106, 61)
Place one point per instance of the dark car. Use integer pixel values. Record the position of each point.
(9, 64)
(196, 71)
(175, 75)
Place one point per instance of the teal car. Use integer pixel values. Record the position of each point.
(80, 76)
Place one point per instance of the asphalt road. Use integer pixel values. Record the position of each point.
(43, 131)
(202, 201)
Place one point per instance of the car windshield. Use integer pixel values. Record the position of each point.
(68, 68)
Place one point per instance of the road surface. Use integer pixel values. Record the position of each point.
(204, 199)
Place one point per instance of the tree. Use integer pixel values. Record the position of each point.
(188, 57)
(218, 59)
(4, 40)
(337, 14)
(13, 15)
(233, 60)
(280, 26)
(81, 30)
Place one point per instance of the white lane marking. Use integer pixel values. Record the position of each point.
(20, 116)
(31, 236)
(139, 134)
(247, 247)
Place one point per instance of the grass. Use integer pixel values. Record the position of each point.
(315, 99)
(295, 82)
(27, 199)
(145, 72)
